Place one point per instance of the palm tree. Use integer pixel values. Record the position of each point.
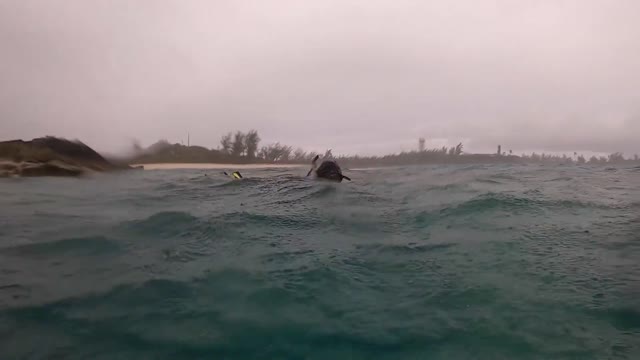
(238, 147)
(251, 141)
(226, 143)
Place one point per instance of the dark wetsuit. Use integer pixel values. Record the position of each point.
(330, 170)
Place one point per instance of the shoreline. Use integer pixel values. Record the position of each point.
(215, 166)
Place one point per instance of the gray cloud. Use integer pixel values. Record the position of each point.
(356, 76)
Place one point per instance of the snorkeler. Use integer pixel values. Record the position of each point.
(328, 170)
(236, 175)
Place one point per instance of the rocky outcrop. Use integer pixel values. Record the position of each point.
(51, 156)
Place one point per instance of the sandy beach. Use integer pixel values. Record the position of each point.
(216, 166)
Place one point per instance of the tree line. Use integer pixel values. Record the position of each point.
(244, 147)
(235, 147)
(614, 158)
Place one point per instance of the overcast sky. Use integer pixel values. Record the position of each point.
(357, 76)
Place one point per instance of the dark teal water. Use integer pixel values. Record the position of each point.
(446, 262)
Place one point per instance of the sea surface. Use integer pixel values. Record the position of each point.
(426, 262)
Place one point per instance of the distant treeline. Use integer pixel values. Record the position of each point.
(443, 156)
(235, 148)
(615, 158)
(240, 147)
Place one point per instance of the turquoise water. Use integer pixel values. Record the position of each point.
(438, 262)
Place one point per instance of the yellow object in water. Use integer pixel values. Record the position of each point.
(235, 174)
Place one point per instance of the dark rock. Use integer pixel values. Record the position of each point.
(51, 156)
(52, 168)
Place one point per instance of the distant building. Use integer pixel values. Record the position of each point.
(421, 144)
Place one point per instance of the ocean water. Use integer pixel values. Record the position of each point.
(427, 262)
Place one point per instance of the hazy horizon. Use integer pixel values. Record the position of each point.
(366, 77)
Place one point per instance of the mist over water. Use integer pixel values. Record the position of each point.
(364, 77)
(438, 262)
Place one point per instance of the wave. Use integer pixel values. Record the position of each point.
(294, 222)
(561, 178)
(182, 224)
(491, 202)
(406, 249)
(80, 246)
(509, 177)
(149, 292)
(162, 223)
(489, 181)
(321, 191)
(451, 187)
(245, 182)
(31, 202)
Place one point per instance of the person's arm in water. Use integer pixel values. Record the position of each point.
(313, 164)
